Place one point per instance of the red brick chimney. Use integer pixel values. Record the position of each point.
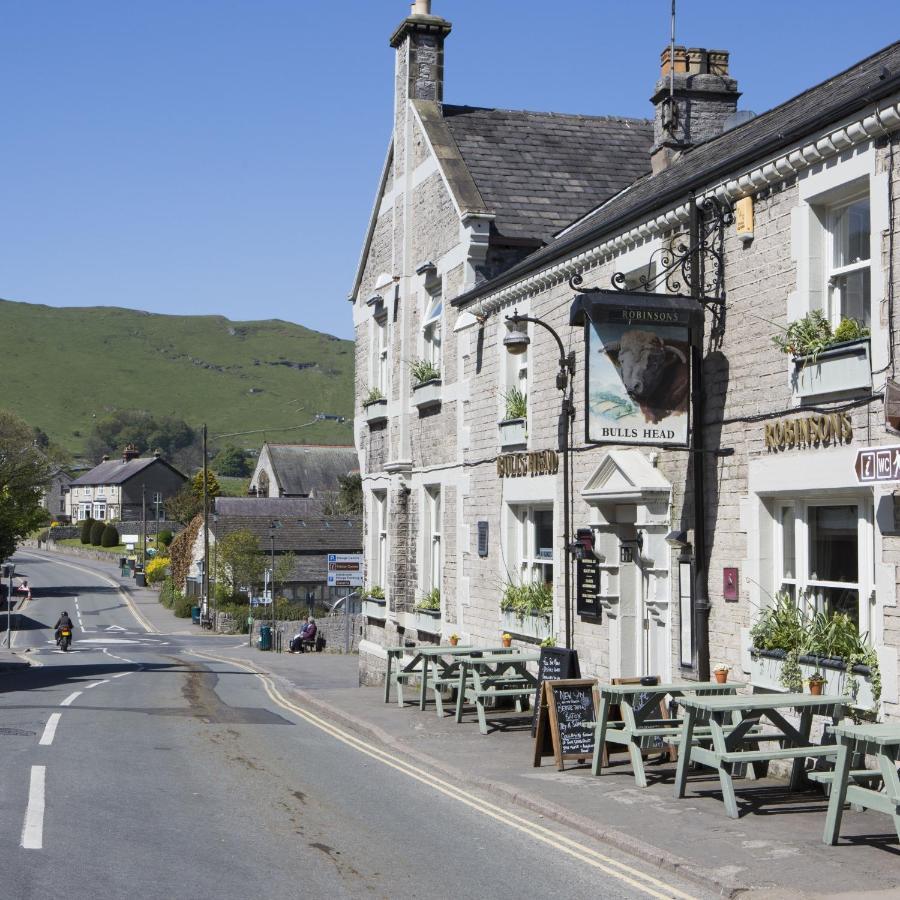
(130, 452)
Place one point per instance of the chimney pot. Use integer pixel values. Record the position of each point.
(421, 8)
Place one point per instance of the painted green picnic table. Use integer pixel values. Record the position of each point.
(413, 668)
(495, 675)
(877, 789)
(732, 723)
(445, 665)
(640, 728)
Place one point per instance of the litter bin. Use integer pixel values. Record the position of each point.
(140, 579)
(195, 615)
(123, 566)
(265, 637)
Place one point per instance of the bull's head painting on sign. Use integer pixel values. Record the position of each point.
(638, 379)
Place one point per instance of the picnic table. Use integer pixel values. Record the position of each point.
(877, 789)
(642, 728)
(734, 722)
(495, 675)
(440, 669)
(414, 668)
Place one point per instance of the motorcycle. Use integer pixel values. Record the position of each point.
(65, 639)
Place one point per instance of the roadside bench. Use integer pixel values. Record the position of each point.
(641, 728)
(495, 675)
(733, 722)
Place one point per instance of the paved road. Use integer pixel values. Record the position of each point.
(135, 767)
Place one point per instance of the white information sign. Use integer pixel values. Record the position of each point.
(345, 569)
(130, 538)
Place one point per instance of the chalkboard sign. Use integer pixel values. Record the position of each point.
(567, 715)
(555, 663)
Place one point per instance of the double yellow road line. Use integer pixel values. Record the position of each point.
(635, 878)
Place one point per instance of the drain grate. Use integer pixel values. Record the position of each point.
(19, 732)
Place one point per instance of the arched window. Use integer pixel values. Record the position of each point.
(263, 487)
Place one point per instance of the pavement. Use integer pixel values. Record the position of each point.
(774, 849)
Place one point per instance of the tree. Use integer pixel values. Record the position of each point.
(131, 426)
(240, 562)
(188, 502)
(231, 462)
(350, 498)
(86, 525)
(24, 474)
(284, 567)
(97, 530)
(110, 537)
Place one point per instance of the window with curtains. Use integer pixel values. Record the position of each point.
(847, 259)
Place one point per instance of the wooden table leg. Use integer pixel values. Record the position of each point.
(838, 793)
(600, 736)
(684, 752)
(461, 692)
(888, 767)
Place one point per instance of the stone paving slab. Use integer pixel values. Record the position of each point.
(774, 850)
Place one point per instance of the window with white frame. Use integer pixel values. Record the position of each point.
(847, 259)
(379, 538)
(824, 556)
(380, 356)
(431, 331)
(515, 392)
(99, 511)
(530, 543)
(432, 533)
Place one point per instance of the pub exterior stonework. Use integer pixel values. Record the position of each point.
(459, 500)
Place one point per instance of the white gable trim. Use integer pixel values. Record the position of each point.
(625, 476)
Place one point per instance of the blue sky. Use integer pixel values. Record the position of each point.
(221, 156)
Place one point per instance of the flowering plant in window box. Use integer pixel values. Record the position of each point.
(374, 603)
(826, 361)
(428, 612)
(426, 378)
(375, 406)
(513, 429)
(790, 646)
(527, 610)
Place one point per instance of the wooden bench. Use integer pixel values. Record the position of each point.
(498, 675)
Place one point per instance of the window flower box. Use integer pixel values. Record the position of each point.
(536, 628)
(838, 369)
(375, 412)
(766, 665)
(513, 433)
(428, 620)
(374, 608)
(427, 393)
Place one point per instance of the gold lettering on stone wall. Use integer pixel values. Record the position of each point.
(518, 465)
(809, 432)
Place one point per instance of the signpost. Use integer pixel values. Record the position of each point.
(878, 465)
(345, 570)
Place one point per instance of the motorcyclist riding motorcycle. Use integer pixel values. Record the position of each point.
(63, 622)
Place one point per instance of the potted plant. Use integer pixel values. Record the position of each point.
(374, 602)
(428, 612)
(513, 427)
(426, 379)
(721, 673)
(826, 361)
(454, 640)
(506, 639)
(527, 609)
(375, 406)
(816, 683)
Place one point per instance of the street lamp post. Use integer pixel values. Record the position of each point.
(516, 342)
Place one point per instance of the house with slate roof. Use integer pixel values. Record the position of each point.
(792, 501)
(117, 488)
(302, 526)
(301, 470)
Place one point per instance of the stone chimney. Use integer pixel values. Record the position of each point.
(130, 452)
(704, 96)
(419, 42)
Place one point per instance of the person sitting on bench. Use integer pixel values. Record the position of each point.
(306, 634)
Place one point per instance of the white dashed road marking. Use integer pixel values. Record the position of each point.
(96, 683)
(50, 730)
(33, 829)
(68, 701)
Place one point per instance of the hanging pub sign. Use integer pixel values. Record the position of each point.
(638, 366)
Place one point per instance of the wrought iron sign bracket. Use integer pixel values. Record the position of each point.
(677, 262)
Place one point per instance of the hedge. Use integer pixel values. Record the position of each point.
(86, 527)
(110, 537)
(97, 529)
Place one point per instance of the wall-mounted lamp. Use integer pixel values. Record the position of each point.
(516, 340)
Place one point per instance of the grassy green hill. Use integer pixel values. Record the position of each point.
(61, 367)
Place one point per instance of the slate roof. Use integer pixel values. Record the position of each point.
(302, 469)
(305, 529)
(844, 93)
(117, 471)
(540, 171)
